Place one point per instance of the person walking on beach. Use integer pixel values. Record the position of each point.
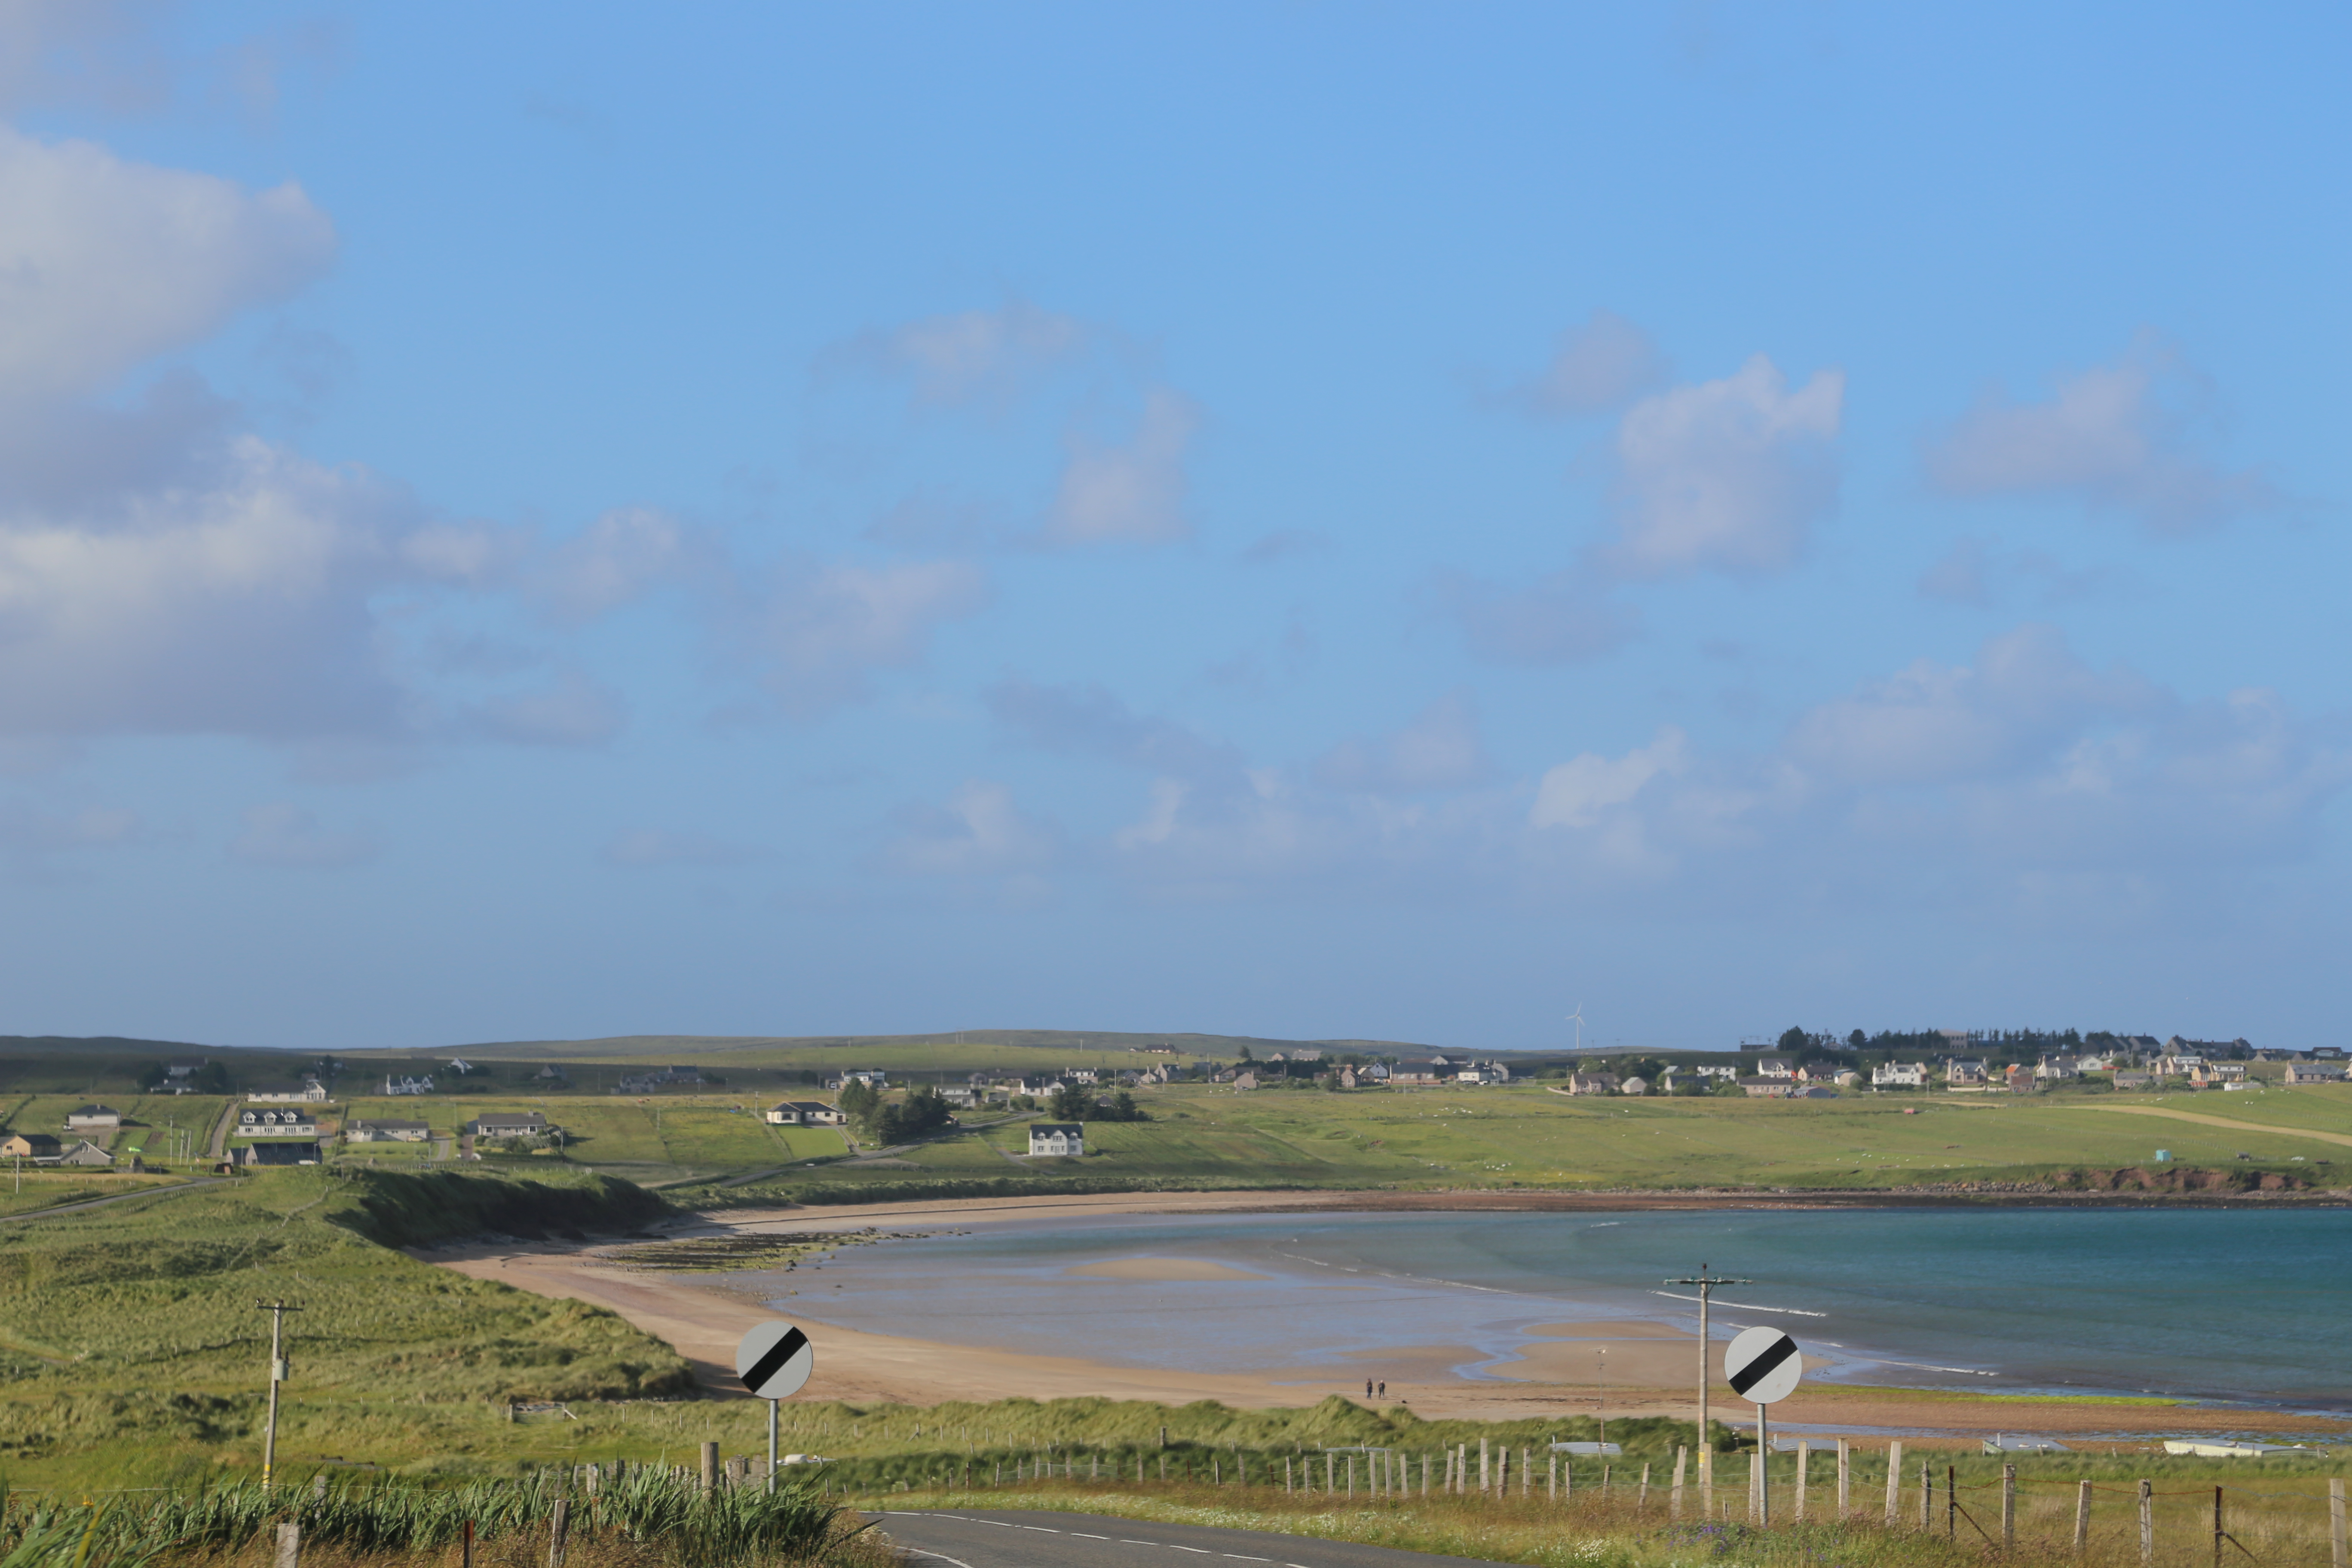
(1384, 1390)
(1367, 1388)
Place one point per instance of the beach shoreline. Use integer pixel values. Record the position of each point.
(1653, 1365)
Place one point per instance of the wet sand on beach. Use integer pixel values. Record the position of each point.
(1558, 1372)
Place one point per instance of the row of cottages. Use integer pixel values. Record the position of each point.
(42, 1149)
(659, 1078)
(406, 1083)
(307, 1091)
(1057, 1138)
(2317, 1072)
(806, 1113)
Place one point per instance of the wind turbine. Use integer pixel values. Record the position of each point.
(1576, 1018)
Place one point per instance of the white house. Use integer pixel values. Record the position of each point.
(509, 1124)
(309, 1091)
(1703, 1071)
(1078, 1075)
(404, 1084)
(1592, 1083)
(1899, 1075)
(2049, 1070)
(93, 1118)
(872, 1078)
(1057, 1138)
(805, 1114)
(1774, 1067)
(287, 1123)
(1964, 1073)
(386, 1132)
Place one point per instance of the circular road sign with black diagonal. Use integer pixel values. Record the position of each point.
(1762, 1365)
(775, 1360)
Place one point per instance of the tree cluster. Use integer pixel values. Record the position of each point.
(879, 1120)
(1076, 1102)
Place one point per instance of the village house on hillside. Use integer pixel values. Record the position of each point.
(2317, 1072)
(510, 1125)
(1592, 1083)
(85, 1153)
(1899, 1075)
(406, 1083)
(806, 1113)
(1057, 1138)
(278, 1153)
(659, 1078)
(288, 1091)
(93, 1118)
(1964, 1073)
(288, 1123)
(386, 1132)
(34, 1146)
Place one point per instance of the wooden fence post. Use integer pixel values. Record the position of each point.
(2083, 1518)
(1484, 1478)
(1551, 1480)
(559, 1532)
(1674, 1498)
(709, 1468)
(2218, 1531)
(289, 1545)
(2146, 1523)
(2009, 1505)
(1926, 1495)
(1845, 1478)
(466, 1546)
(1894, 1484)
(1641, 1497)
(2340, 1548)
(1804, 1463)
(1527, 1473)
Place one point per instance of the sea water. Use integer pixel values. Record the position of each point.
(2243, 1304)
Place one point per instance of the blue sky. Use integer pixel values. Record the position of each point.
(1294, 520)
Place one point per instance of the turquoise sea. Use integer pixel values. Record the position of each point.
(2233, 1304)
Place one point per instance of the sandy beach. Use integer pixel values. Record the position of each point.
(1650, 1368)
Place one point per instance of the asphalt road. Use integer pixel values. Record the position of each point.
(1020, 1538)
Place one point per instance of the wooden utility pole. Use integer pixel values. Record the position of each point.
(1707, 1283)
(277, 1310)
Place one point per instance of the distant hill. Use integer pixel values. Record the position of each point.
(654, 1046)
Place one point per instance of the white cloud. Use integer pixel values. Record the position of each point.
(80, 51)
(1725, 475)
(616, 559)
(1132, 494)
(970, 356)
(1440, 749)
(242, 609)
(1578, 792)
(2026, 695)
(2118, 437)
(1596, 367)
(105, 263)
(284, 835)
(817, 633)
(1564, 617)
(979, 832)
(1090, 720)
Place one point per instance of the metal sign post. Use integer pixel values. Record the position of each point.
(774, 1361)
(1763, 1366)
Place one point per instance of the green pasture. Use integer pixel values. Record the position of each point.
(1528, 1136)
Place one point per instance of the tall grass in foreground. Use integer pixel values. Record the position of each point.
(655, 1518)
(2280, 1528)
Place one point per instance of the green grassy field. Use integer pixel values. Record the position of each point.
(1531, 1137)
